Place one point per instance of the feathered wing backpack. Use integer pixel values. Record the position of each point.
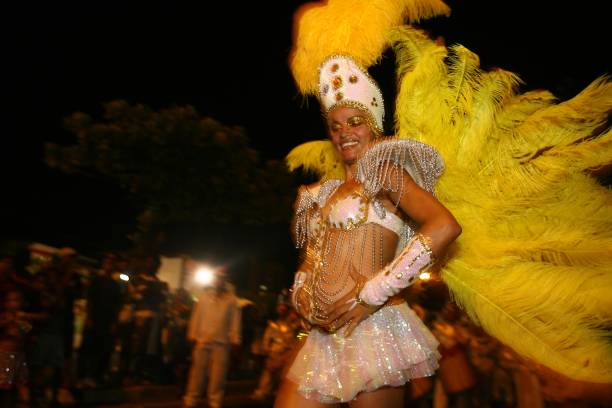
(533, 265)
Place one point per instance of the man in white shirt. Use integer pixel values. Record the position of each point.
(214, 327)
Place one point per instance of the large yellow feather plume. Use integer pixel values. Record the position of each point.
(318, 157)
(351, 27)
(533, 263)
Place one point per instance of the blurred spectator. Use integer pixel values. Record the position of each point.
(176, 346)
(455, 373)
(148, 295)
(214, 328)
(279, 339)
(16, 265)
(565, 392)
(528, 391)
(494, 386)
(70, 290)
(14, 326)
(46, 357)
(251, 322)
(103, 305)
(122, 355)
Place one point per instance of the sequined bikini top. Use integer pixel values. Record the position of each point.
(379, 169)
(355, 210)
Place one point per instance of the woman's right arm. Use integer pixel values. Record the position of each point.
(300, 292)
(304, 210)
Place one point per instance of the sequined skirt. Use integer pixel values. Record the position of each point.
(388, 349)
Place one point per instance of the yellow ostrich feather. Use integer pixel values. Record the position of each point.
(520, 107)
(463, 80)
(533, 263)
(352, 27)
(494, 89)
(539, 313)
(420, 91)
(317, 157)
(586, 155)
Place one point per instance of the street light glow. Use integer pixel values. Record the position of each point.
(204, 276)
(124, 277)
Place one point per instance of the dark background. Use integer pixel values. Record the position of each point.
(230, 64)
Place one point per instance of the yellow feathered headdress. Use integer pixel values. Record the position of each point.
(357, 28)
(345, 28)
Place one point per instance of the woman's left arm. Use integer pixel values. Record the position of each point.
(437, 224)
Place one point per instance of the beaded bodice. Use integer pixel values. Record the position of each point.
(356, 209)
(349, 243)
(347, 233)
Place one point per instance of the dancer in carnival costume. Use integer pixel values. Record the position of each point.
(367, 232)
(513, 169)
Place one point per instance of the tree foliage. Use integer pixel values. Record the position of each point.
(179, 168)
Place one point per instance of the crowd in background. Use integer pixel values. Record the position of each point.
(65, 329)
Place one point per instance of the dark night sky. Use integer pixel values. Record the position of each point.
(230, 64)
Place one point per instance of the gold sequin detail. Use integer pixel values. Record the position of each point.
(358, 220)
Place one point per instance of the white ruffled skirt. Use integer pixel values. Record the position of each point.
(387, 349)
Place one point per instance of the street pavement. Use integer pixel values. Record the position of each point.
(168, 396)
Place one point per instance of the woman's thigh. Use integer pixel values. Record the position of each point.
(387, 397)
(289, 397)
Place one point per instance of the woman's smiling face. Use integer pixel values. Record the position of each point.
(349, 132)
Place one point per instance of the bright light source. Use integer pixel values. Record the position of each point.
(263, 287)
(124, 277)
(204, 276)
(425, 276)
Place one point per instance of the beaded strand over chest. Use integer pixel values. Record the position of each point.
(348, 244)
(346, 250)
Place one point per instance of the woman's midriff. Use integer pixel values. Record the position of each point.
(348, 258)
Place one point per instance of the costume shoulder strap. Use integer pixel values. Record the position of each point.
(309, 200)
(378, 169)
